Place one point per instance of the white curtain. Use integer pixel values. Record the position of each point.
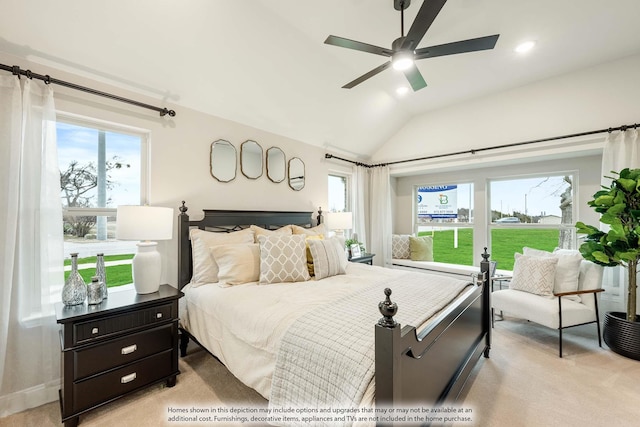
(359, 187)
(620, 151)
(31, 245)
(380, 214)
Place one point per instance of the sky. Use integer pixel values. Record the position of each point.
(81, 144)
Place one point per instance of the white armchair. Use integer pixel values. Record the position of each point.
(543, 291)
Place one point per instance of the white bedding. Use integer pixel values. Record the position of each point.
(243, 325)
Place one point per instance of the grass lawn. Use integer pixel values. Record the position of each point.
(506, 242)
(117, 275)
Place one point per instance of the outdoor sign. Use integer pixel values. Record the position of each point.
(438, 201)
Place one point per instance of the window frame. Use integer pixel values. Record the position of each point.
(347, 189)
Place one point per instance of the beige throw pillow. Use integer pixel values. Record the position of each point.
(421, 248)
(205, 269)
(259, 231)
(534, 274)
(283, 259)
(567, 271)
(237, 263)
(313, 231)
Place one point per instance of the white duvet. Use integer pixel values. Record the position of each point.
(243, 325)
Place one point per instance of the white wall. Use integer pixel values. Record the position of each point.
(179, 155)
(600, 97)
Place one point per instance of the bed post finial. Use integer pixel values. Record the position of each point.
(183, 209)
(319, 219)
(388, 309)
(485, 256)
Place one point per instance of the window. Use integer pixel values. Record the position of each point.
(446, 213)
(338, 194)
(101, 167)
(534, 211)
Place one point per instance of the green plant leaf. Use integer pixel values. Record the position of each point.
(628, 184)
(617, 209)
(604, 200)
(601, 257)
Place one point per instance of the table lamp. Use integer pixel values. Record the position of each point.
(339, 221)
(146, 224)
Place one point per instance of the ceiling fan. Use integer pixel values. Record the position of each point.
(403, 51)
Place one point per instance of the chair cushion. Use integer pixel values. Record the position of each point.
(541, 310)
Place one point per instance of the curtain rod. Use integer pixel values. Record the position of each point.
(16, 71)
(476, 150)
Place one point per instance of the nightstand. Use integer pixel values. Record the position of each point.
(365, 258)
(125, 343)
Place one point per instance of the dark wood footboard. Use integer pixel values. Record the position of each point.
(431, 368)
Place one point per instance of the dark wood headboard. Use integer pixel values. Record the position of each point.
(226, 221)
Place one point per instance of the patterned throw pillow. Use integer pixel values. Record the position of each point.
(400, 246)
(534, 274)
(329, 258)
(283, 259)
(421, 248)
(567, 271)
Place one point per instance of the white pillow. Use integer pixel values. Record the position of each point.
(567, 271)
(237, 263)
(534, 274)
(205, 269)
(283, 259)
(329, 257)
(400, 246)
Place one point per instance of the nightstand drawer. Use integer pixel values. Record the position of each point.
(111, 354)
(102, 388)
(86, 331)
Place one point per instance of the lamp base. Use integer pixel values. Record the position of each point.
(146, 268)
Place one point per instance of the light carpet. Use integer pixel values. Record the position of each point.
(523, 383)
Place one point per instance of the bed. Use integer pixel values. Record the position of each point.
(257, 331)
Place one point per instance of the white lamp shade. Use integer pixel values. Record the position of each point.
(144, 223)
(340, 220)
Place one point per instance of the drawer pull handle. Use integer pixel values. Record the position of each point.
(158, 315)
(130, 349)
(94, 331)
(128, 378)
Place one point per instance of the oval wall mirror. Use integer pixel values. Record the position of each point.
(251, 159)
(296, 173)
(276, 166)
(223, 160)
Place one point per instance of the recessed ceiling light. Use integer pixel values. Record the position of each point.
(402, 90)
(525, 47)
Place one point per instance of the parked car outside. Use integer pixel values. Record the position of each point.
(507, 220)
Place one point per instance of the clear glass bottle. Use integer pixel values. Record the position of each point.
(94, 291)
(101, 272)
(74, 291)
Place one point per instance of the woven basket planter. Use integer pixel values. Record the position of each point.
(622, 336)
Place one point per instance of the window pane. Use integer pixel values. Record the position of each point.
(452, 245)
(505, 242)
(540, 200)
(337, 193)
(98, 168)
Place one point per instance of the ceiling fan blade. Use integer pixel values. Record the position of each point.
(355, 45)
(367, 75)
(471, 45)
(415, 78)
(425, 17)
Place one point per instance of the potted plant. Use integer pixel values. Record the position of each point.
(349, 242)
(619, 206)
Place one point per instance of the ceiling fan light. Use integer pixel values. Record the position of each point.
(402, 90)
(402, 60)
(525, 47)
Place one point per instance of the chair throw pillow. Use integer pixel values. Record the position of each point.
(534, 274)
(421, 248)
(283, 259)
(567, 271)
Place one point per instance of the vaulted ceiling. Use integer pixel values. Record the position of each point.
(264, 63)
